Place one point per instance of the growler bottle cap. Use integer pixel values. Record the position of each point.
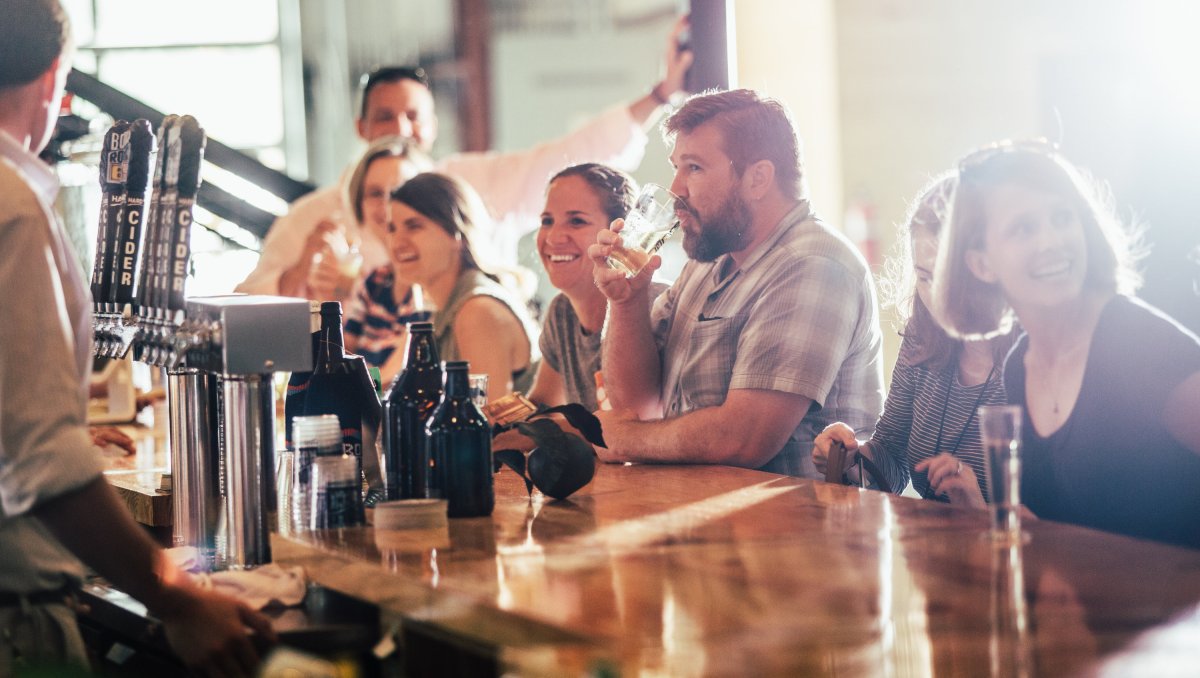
(420, 327)
(331, 307)
(456, 365)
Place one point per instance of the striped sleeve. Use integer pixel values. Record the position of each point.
(890, 441)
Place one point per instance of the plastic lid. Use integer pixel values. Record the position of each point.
(322, 430)
(410, 514)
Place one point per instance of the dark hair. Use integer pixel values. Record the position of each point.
(386, 147)
(32, 35)
(451, 204)
(615, 189)
(752, 127)
(384, 74)
(970, 307)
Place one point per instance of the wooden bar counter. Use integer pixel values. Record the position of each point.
(657, 570)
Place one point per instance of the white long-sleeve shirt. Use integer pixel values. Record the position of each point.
(512, 185)
(45, 364)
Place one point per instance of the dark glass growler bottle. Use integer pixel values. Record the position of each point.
(410, 400)
(460, 448)
(341, 385)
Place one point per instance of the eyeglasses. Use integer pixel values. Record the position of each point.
(981, 156)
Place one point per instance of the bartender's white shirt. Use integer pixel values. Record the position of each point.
(45, 363)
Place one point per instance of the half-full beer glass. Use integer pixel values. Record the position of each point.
(1000, 432)
(647, 227)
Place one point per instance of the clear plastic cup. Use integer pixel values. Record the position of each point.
(336, 493)
(313, 437)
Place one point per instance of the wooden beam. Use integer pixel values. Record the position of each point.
(473, 30)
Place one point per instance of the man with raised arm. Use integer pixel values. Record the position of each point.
(397, 100)
(772, 329)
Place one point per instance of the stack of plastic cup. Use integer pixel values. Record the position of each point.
(316, 436)
(336, 493)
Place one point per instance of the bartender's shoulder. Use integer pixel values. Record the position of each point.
(16, 196)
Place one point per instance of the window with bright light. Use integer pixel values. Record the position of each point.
(190, 58)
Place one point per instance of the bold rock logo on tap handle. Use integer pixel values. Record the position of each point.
(114, 168)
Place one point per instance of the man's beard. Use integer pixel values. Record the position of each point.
(721, 233)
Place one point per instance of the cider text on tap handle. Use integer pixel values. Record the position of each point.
(187, 185)
(167, 204)
(153, 222)
(131, 230)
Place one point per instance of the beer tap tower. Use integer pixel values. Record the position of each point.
(219, 358)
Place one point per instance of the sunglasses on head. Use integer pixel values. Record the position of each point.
(981, 156)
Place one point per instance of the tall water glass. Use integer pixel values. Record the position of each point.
(647, 227)
(1009, 648)
(285, 479)
(1000, 432)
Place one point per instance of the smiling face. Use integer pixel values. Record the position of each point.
(570, 221)
(422, 251)
(383, 175)
(714, 217)
(1034, 246)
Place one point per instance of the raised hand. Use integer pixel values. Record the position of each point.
(677, 60)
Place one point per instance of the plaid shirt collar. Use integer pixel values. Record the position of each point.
(797, 215)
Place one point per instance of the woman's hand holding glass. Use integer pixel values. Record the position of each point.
(336, 263)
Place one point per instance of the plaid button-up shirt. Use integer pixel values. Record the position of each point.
(799, 316)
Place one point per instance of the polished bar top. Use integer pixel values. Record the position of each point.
(705, 570)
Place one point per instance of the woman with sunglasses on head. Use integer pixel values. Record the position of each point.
(1110, 385)
(376, 313)
(928, 431)
(435, 220)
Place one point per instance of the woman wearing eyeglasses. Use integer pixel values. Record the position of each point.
(928, 432)
(378, 310)
(1110, 385)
